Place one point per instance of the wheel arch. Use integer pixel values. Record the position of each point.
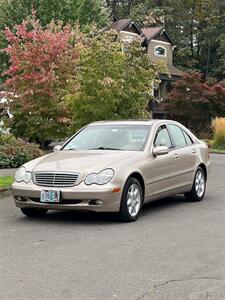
(140, 178)
(204, 169)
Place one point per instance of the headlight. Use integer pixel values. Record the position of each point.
(99, 178)
(23, 175)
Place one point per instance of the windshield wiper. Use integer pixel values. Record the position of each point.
(104, 148)
(97, 148)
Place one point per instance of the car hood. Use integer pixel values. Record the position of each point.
(79, 161)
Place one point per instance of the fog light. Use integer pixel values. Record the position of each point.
(99, 202)
(95, 202)
(21, 199)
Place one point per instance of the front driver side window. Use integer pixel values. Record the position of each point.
(162, 137)
(177, 135)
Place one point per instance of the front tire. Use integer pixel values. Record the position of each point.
(199, 186)
(34, 212)
(131, 201)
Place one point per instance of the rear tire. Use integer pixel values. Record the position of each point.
(131, 201)
(199, 186)
(34, 212)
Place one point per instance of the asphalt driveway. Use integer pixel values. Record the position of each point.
(176, 250)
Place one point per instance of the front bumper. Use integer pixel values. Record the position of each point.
(80, 197)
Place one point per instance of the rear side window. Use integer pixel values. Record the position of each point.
(162, 137)
(188, 139)
(178, 136)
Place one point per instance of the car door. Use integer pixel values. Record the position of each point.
(163, 167)
(184, 154)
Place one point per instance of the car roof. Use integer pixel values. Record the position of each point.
(132, 122)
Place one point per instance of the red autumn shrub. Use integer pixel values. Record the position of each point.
(42, 63)
(195, 103)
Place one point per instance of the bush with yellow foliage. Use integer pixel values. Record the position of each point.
(218, 125)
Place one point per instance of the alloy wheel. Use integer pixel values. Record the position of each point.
(200, 183)
(133, 200)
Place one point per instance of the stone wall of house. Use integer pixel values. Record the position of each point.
(168, 59)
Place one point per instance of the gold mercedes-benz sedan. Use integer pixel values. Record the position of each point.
(115, 166)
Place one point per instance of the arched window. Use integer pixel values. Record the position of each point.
(160, 51)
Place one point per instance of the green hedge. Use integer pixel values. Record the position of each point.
(15, 152)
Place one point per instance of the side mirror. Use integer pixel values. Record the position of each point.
(160, 150)
(57, 148)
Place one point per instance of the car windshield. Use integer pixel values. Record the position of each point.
(110, 137)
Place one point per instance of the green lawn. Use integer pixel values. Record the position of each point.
(6, 181)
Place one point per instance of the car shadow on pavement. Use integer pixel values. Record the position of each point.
(160, 205)
(85, 217)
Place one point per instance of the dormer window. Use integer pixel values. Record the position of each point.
(160, 51)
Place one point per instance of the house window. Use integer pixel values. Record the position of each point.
(160, 51)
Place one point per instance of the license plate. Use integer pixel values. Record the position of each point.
(50, 196)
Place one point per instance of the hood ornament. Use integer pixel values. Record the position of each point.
(58, 164)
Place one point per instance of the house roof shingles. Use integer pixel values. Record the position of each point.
(123, 24)
(120, 24)
(174, 71)
(151, 32)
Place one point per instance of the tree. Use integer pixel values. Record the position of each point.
(218, 65)
(121, 8)
(84, 12)
(42, 63)
(111, 83)
(195, 103)
(68, 11)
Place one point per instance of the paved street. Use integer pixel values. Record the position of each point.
(176, 250)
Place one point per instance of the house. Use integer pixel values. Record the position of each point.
(160, 47)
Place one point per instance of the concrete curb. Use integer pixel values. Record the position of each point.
(217, 153)
(5, 193)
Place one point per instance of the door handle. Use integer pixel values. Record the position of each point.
(194, 151)
(175, 155)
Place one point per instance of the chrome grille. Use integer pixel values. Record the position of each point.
(55, 179)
